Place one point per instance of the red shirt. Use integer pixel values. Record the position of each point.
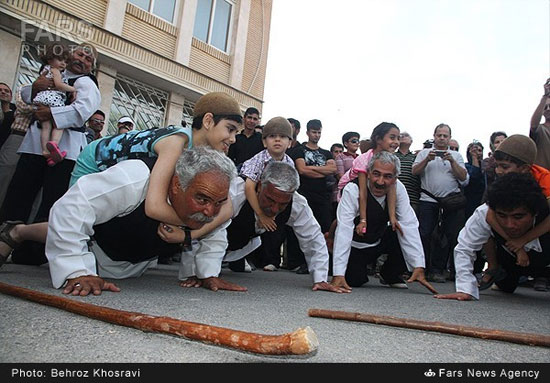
(542, 175)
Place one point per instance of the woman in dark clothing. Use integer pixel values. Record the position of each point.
(476, 186)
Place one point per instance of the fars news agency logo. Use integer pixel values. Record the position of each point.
(47, 32)
(429, 374)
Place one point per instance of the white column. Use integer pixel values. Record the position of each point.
(174, 110)
(106, 76)
(186, 24)
(10, 48)
(114, 16)
(239, 44)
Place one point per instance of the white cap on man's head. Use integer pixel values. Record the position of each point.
(125, 119)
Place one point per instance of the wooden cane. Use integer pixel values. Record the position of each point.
(474, 332)
(300, 342)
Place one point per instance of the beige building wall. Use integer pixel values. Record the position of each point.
(256, 47)
(148, 31)
(92, 11)
(10, 48)
(106, 76)
(175, 106)
(115, 12)
(134, 42)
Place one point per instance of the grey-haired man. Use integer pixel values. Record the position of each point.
(108, 207)
(278, 198)
(352, 253)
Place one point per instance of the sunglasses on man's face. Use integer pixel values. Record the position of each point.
(354, 141)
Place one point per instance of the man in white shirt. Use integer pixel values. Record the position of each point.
(32, 172)
(278, 198)
(108, 208)
(442, 172)
(519, 205)
(352, 253)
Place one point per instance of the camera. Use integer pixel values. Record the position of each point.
(440, 153)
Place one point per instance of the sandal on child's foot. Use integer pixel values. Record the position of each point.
(55, 154)
(5, 237)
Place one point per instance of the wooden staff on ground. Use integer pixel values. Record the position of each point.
(475, 332)
(300, 342)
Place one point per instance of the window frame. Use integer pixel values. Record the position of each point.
(151, 7)
(208, 41)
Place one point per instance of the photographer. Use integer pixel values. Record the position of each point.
(442, 173)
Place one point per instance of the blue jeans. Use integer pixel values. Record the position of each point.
(429, 218)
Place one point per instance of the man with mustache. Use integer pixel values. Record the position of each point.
(442, 173)
(32, 172)
(277, 198)
(99, 228)
(352, 253)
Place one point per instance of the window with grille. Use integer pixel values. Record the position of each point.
(187, 114)
(142, 103)
(213, 21)
(29, 65)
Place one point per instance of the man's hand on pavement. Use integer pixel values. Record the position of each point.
(457, 296)
(419, 276)
(215, 284)
(340, 281)
(88, 284)
(325, 286)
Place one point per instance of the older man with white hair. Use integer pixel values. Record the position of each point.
(352, 253)
(277, 198)
(109, 208)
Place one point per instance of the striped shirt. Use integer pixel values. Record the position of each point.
(411, 182)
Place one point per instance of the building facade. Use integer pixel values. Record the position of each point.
(156, 57)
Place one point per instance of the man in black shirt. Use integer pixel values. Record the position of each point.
(314, 165)
(249, 142)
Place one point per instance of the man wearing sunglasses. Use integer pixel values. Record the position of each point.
(94, 126)
(345, 161)
(540, 133)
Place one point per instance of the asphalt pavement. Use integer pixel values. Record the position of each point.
(275, 303)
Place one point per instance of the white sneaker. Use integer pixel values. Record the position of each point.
(270, 267)
(247, 267)
(397, 285)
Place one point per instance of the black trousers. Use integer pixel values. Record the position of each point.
(392, 269)
(321, 206)
(537, 265)
(270, 250)
(32, 174)
(295, 256)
